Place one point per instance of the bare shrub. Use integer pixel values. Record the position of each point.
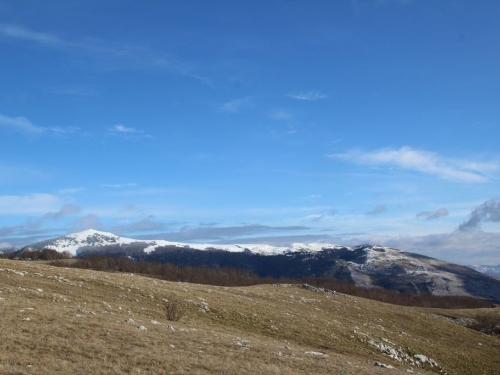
(489, 324)
(173, 310)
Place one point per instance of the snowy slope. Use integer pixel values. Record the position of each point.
(72, 243)
(395, 265)
(365, 265)
(488, 270)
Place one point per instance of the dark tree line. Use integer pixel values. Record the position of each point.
(232, 277)
(45, 254)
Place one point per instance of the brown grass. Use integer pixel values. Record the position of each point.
(86, 322)
(236, 277)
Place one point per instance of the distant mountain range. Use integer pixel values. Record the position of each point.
(489, 270)
(365, 265)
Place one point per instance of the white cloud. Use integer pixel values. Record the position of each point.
(489, 211)
(28, 204)
(123, 129)
(120, 185)
(380, 209)
(26, 126)
(19, 32)
(316, 217)
(422, 161)
(20, 123)
(122, 54)
(308, 95)
(66, 130)
(281, 115)
(73, 91)
(235, 106)
(128, 132)
(311, 197)
(70, 190)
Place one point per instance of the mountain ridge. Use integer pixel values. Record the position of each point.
(74, 241)
(365, 265)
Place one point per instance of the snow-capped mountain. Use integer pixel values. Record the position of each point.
(93, 240)
(365, 265)
(488, 270)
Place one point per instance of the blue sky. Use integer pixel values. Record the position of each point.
(254, 121)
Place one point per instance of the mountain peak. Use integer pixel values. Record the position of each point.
(91, 232)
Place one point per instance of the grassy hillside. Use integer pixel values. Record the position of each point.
(74, 321)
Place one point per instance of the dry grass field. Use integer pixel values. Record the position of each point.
(75, 321)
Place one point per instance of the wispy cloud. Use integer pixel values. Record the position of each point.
(316, 217)
(24, 125)
(122, 54)
(311, 197)
(307, 95)
(70, 190)
(282, 240)
(212, 233)
(380, 209)
(32, 226)
(427, 162)
(20, 123)
(65, 211)
(396, 2)
(281, 115)
(73, 91)
(16, 173)
(148, 224)
(123, 129)
(28, 204)
(120, 185)
(90, 221)
(442, 212)
(20, 32)
(66, 130)
(128, 132)
(236, 105)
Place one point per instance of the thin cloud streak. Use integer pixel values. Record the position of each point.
(442, 212)
(127, 132)
(426, 162)
(236, 105)
(20, 123)
(148, 224)
(211, 233)
(121, 53)
(19, 32)
(28, 204)
(308, 95)
(123, 129)
(24, 125)
(380, 209)
(33, 226)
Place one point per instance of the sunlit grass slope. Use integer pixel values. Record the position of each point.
(74, 321)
